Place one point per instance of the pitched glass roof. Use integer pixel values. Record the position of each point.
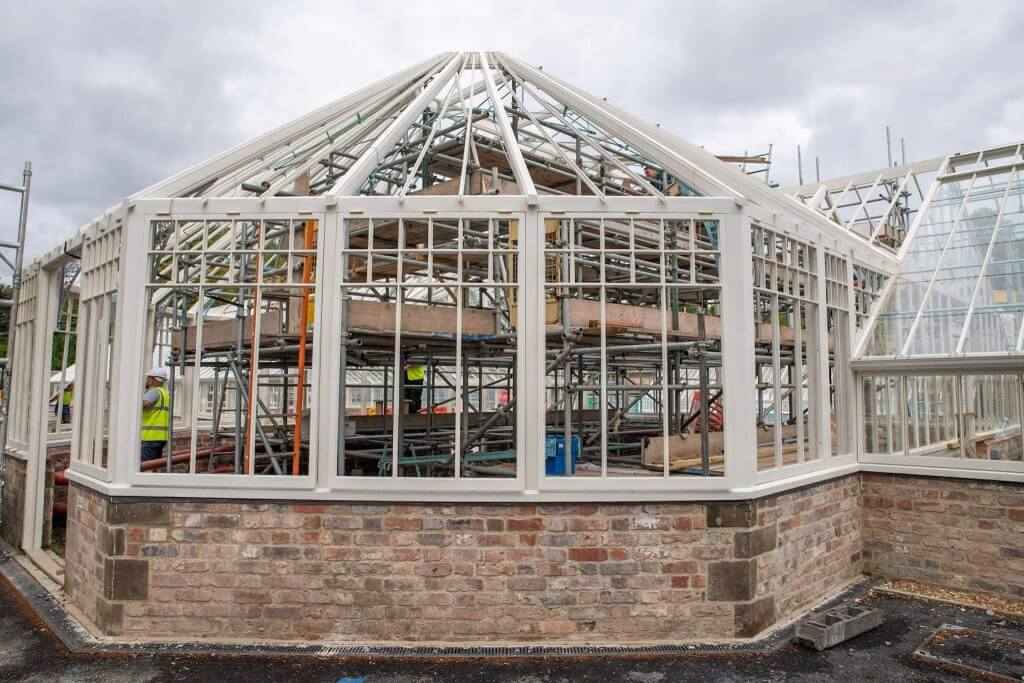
(960, 289)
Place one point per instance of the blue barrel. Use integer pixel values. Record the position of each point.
(554, 454)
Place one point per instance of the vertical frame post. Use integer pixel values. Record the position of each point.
(818, 397)
(47, 285)
(530, 361)
(739, 403)
(129, 347)
(327, 342)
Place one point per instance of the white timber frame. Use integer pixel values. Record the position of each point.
(741, 478)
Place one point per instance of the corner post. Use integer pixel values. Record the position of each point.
(737, 278)
(47, 289)
(129, 347)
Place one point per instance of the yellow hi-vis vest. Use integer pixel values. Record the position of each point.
(415, 372)
(156, 420)
(68, 396)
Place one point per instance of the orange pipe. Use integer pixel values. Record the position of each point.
(307, 270)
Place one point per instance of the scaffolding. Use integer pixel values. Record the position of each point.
(880, 205)
(11, 254)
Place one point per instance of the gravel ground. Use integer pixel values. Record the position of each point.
(30, 652)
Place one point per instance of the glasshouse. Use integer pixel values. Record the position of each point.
(472, 354)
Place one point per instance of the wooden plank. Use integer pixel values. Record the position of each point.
(586, 313)
(379, 316)
(641, 318)
(765, 460)
(681, 447)
(479, 183)
(687, 446)
(370, 316)
(222, 334)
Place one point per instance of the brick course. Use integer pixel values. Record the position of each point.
(957, 533)
(419, 572)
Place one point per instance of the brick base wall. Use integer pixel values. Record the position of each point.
(952, 532)
(13, 513)
(88, 570)
(341, 572)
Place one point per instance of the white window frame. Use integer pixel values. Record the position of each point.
(322, 482)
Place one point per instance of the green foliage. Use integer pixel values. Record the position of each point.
(57, 354)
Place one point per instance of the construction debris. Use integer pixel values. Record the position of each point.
(828, 628)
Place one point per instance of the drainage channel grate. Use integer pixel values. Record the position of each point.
(979, 654)
(77, 639)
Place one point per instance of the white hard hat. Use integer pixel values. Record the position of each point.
(158, 373)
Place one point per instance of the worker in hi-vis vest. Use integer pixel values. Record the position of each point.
(156, 415)
(63, 408)
(414, 375)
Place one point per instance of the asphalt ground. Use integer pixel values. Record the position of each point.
(29, 651)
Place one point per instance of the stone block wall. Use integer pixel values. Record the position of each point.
(89, 570)
(13, 512)
(458, 573)
(958, 533)
(818, 530)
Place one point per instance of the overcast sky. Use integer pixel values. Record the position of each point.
(107, 98)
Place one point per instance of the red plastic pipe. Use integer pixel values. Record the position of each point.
(178, 457)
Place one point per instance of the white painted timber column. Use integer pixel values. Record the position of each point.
(325, 384)
(129, 352)
(850, 417)
(48, 283)
(856, 416)
(530, 394)
(739, 397)
(819, 394)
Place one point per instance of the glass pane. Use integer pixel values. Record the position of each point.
(932, 415)
(922, 257)
(943, 314)
(991, 415)
(999, 307)
(427, 380)
(883, 423)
